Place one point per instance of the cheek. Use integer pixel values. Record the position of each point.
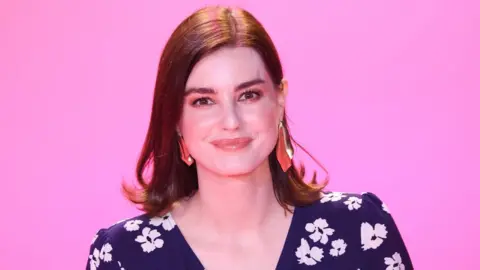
(195, 123)
(263, 116)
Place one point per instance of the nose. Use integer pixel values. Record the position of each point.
(231, 120)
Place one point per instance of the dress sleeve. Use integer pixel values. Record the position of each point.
(101, 253)
(380, 237)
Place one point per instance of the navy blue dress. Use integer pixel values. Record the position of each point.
(340, 231)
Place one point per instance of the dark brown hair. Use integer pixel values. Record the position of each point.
(170, 179)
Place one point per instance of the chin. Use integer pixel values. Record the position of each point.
(232, 171)
(233, 168)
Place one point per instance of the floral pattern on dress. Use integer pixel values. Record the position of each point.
(372, 235)
(99, 256)
(394, 262)
(149, 239)
(339, 231)
(319, 230)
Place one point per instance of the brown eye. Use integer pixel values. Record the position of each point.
(202, 102)
(249, 95)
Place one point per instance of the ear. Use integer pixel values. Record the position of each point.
(282, 96)
(284, 87)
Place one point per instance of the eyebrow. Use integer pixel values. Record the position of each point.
(207, 90)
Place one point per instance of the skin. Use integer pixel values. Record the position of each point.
(234, 220)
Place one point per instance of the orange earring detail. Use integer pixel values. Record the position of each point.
(185, 155)
(284, 148)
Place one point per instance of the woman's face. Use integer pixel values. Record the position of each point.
(231, 112)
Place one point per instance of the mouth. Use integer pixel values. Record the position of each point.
(232, 144)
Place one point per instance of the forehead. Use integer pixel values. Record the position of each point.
(228, 67)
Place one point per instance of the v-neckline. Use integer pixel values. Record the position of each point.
(284, 261)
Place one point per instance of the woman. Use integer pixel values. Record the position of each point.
(223, 192)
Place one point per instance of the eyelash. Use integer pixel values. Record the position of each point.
(257, 94)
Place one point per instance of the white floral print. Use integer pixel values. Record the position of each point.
(353, 203)
(372, 237)
(94, 259)
(307, 255)
(166, 221)
(133, 225)
(338, 247)
(394, 262)
(103, 255)
(319, 230)
(149, 240)
(327, 238)
(332, 196)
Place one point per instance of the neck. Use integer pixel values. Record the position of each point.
(234, 204)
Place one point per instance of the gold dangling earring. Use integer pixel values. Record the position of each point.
(284, 148)
(184, 154)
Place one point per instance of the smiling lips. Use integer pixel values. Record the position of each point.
(232, 144)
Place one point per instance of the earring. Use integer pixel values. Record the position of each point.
(284, 148)
(185, 155)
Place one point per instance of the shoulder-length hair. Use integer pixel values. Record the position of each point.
(169, 179)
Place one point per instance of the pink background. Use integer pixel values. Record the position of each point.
(382, 92)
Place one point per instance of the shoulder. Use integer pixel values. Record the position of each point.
(345, 205)
(127, 241)
(356, 226)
